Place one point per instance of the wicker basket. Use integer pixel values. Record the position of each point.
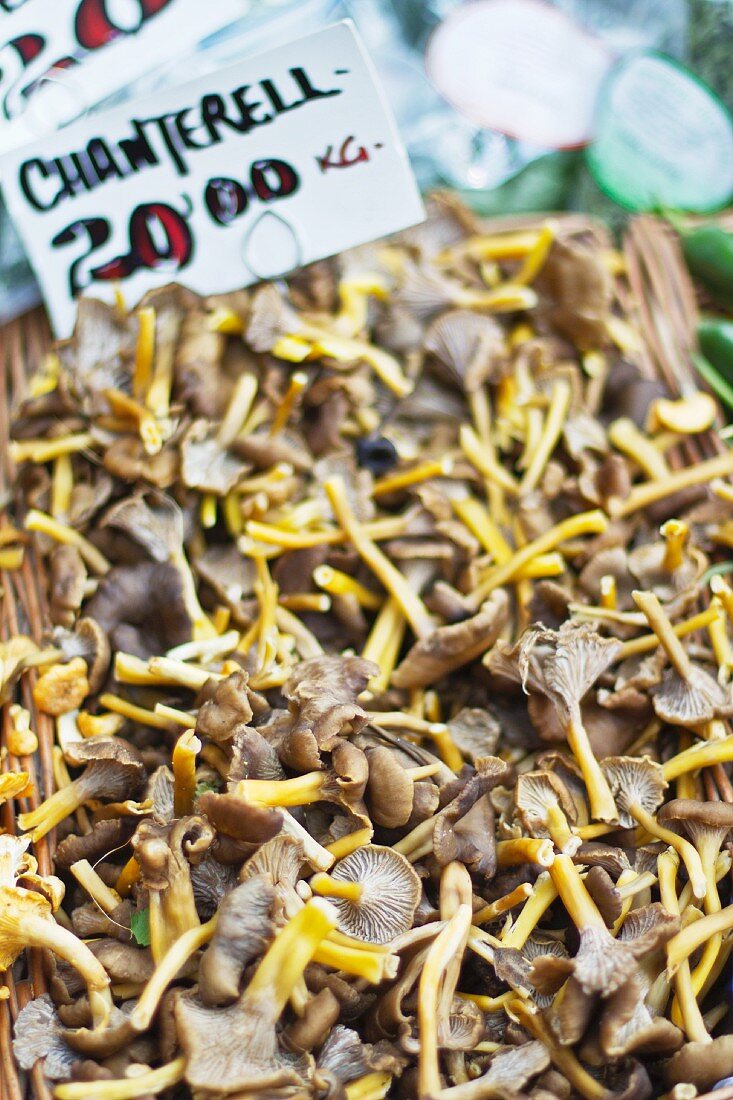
(655, 295)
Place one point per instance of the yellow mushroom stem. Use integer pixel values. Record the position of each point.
(414, 609)
(563, 1058)
(483, 459)
(175, 717)
(284, 408)
(608, 592)
(488, 1004)
(144, 352)
(166, 971)
(304, 789)
(689, 939)
(503, 904)
(633, 885)
(571, 889)
(685, 850)
(172, 913)
(543, 895)
(511, 245)
(448, 945)
(106, 898)
(723, 591)
(289, 954)
(345, 845)
(305, 601)
(47, 450)
(560, 832)
(31, 928)
(373, 967)
(327, 887)
(675, 533)
(641, 496)
(702, 755)
(341, 584)
(238, 409)
(185, 751)
(167, 670)
(525, 850)
(655, 615)
(585, 523)
(602, 804)
(391, 483)
(54, 809)
(127, 877)
(158, 396)
(624, 435)
(384, 642)
(148, 428)
(372, 1086)
(226, 320)
(60, 532)
(688, 1009)
(149, 1083)
(534, 261)
(390, 527)
(718, 634)
(318, 856)
(557, 413)
(124, 709)
(649, 642)
(62, 486)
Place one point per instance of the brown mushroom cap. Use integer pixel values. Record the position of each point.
(114, 768)
(690, 702)
(227, 708)
(389, 790)
(634, 781)
(243, 931)
(469, 347)
(449, 647)
(391, 891)
(701, 1064)
(38, 1035)
(690, 812)
(475, 733)
(233, 1049)
(534, 792)
(141, 608)
(238, 818)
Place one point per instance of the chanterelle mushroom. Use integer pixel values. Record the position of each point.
(243, 929)
(244, 1054)
(564, 665)
(113, 770)
(546, 809)
(688, 695)
(639, 785)
(375, 892)
(26, 920)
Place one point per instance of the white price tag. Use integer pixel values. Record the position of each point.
(60, 57)
(520, 67)
(240, 175)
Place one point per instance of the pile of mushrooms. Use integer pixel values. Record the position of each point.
(389, 663)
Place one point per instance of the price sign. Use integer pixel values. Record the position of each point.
(241, 175)
(59, 58)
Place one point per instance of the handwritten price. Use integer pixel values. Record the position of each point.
(160, 236)
(26, 61)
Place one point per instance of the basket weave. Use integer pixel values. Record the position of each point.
(654, 295)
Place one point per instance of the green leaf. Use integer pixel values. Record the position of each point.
(204, 786)
(140, 927)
